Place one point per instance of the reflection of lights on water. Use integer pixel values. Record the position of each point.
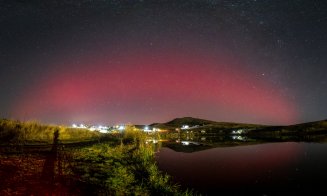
(238, 137)
(186, 143)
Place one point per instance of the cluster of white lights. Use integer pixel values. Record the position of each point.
(147, 129)
(81, 126)
(105, 129)
(102, 129)
(238, 137)
(240, 131)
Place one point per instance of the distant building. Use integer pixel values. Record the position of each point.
(80, 126)
(155, 129)
(237, 132)
(147, 129)
(100, 128)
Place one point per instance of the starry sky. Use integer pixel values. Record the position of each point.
(102, 61)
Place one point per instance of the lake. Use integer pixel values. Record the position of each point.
(259, 169)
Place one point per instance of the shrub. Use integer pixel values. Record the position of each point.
(132, 135)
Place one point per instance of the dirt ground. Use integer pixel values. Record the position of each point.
(31, 173)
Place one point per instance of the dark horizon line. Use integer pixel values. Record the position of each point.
(37, 121)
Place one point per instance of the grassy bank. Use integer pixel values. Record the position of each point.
(16, 132)
(123, 164)
(126, 167)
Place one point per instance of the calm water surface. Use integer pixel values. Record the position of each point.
(262, 169)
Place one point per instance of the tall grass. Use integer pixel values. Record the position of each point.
(16, 132)
(132, 135)
(125, 169)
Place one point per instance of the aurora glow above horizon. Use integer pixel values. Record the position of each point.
(144, 62)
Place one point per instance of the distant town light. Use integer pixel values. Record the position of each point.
(103, 131)
(156, 129)
(147, 129)
(92, 129)
(81, 126)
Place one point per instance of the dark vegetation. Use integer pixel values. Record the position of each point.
(317, 127)
(15, 132)
(126, 169)
(65, 161)
(78, 162)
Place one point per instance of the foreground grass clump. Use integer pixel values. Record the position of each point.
(16, 132)
(127, 168)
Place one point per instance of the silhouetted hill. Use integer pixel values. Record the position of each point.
(178, 122)
(316, 127)
(317, 124)
(197, 124)
(202, 123)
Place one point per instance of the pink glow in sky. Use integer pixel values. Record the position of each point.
(142, 88)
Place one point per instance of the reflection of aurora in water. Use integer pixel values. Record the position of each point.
(264, 168)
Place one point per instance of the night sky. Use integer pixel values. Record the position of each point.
(98, 61)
